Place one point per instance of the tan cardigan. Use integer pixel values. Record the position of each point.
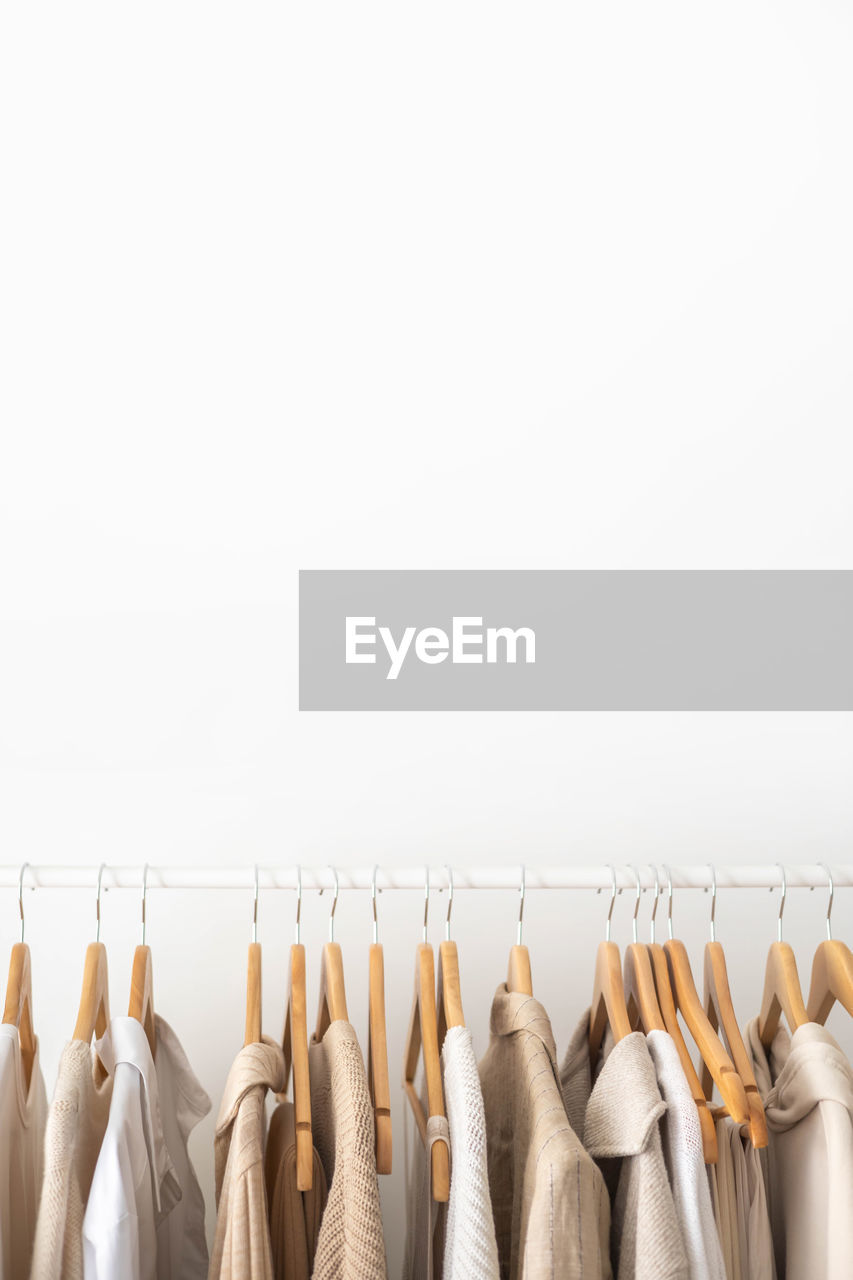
(295, 1215)
(550, 1204)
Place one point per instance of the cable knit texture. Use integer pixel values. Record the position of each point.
(241, 1244)
(620, 1119)
(351, 1244)
(470, 1248)
(76, 1124)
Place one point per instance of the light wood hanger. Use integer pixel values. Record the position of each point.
(378, 1082)
(254, 1031)
(449, 1005)
(782, 991)
(422, 1041)
(709, 1044)
(832, 970)
(333, 996)
(609, 1005)
(93, 1014)
(519, 976)
(721, 1015)
(639, 980)
(141, 1004)
(18, 1007)
(295, 1049)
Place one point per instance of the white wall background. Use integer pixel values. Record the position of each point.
(363, 286)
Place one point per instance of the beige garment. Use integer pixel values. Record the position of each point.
(76, 1124)
(725, 1206)
(23, 1114)
(743, 1221)
(351, 1243)
(241, 1243)
(552, 1213)
(619, 1118)
(426, 1219)
(807, 1086)
(294, 1215)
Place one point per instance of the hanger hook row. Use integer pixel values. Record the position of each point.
(781, 901)
(656, 873)
(613, 892)
(334, 903)
(823, 866)
(255, 905)
(522, 894)
(101, 869)
(144, 900)
(21, 897)
(449, 870)
(713, 902)
(636, 901)
(373, 900)
(298, 929)
(668, 875)
(426, 899)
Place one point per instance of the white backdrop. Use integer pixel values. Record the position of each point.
(472, 286)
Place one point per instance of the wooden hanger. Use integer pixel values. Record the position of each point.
(378, 1082)
(333, 996)
(18, 1008)
(782, 992)
(449, 1005)
(709, 1044)
(519, 977)
(609, 1005)
(721, 1015)
(254, 1031)
(422, 1041)
(832, 970)
(141, 1004)
(93, 1014)
(295, 1049)
(638, 979)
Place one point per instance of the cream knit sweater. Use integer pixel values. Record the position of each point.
(470, 1249)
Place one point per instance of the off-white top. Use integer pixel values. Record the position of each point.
(23, 1113)
(76, 1124)
(470, 1248)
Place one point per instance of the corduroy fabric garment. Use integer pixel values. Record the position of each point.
(620, 1120)
(76, 1124)
(23, 1115)
(241, 1246)
(351, 1243)
(550, 1204)
(470, 1248)
(807, 1087)
(681, 1136)
(294, 1215)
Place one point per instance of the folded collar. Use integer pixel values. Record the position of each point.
(512, 1011)
(803, 1070)
(257, 1066)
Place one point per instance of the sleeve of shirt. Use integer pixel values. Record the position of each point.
(112, 1251)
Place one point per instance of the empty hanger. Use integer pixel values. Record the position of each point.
(422, 1041)
(253, 978)
(782, 992)
(832, 969)
(519, 976)
(295, 1048)
(18, 1008)
(709, 1044)
(142, 980)
(666, 1001)
(449, 1008)
(333, 996)
(93, 1014)
(609, 1007)
(639, 979)
(377, 1047)
(721, 1015)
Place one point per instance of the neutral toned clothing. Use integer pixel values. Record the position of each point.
(425, 1217)
(806, 1084)
(729, 1223)
(550, 1204)
(470, 1247)
(23, 1114)
(681, 1137)
(351, 1243)
(619, 1118)
(294, 1215)
(241, 1245)
(76, 1124)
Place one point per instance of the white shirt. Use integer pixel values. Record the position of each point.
(470, 1248)
(22, 1119)
(130, 1229)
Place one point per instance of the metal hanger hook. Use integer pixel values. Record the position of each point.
(373, 900)
(255, 906)
(426, 900)
(713, 902)
(655, 904)
(522, 892)
(144, 899)
(449, 870)
(101, 869)
(636, 901)
(21, 897)
(298, 930)
(781, 902)
(614, 891)
(668, 874)
(334, 904)
(822, 866)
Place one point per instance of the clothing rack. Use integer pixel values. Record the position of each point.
(600, 878)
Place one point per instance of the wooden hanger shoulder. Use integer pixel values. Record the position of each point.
(93, 1014)
(831, 981)
(295, 1049)
(519, 973)
(333, 996)
(640, 992)
(782, 994)
(422, 1040)
(18, 1008)
(254, 1031)
(141, 1005)
(719, 1008)
(377, 1060)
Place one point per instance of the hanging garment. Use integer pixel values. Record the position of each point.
(294, 1215)
(426, 1219)
(241, 1245)
(351, 1244)
(470, 1247)
(128, 1227)
(23, 1114)
(619, 1118)
(806, 1084)
(729, 1221)
(681, 1136)
(550, 1204)
(744, 1224)
(76, 1124)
